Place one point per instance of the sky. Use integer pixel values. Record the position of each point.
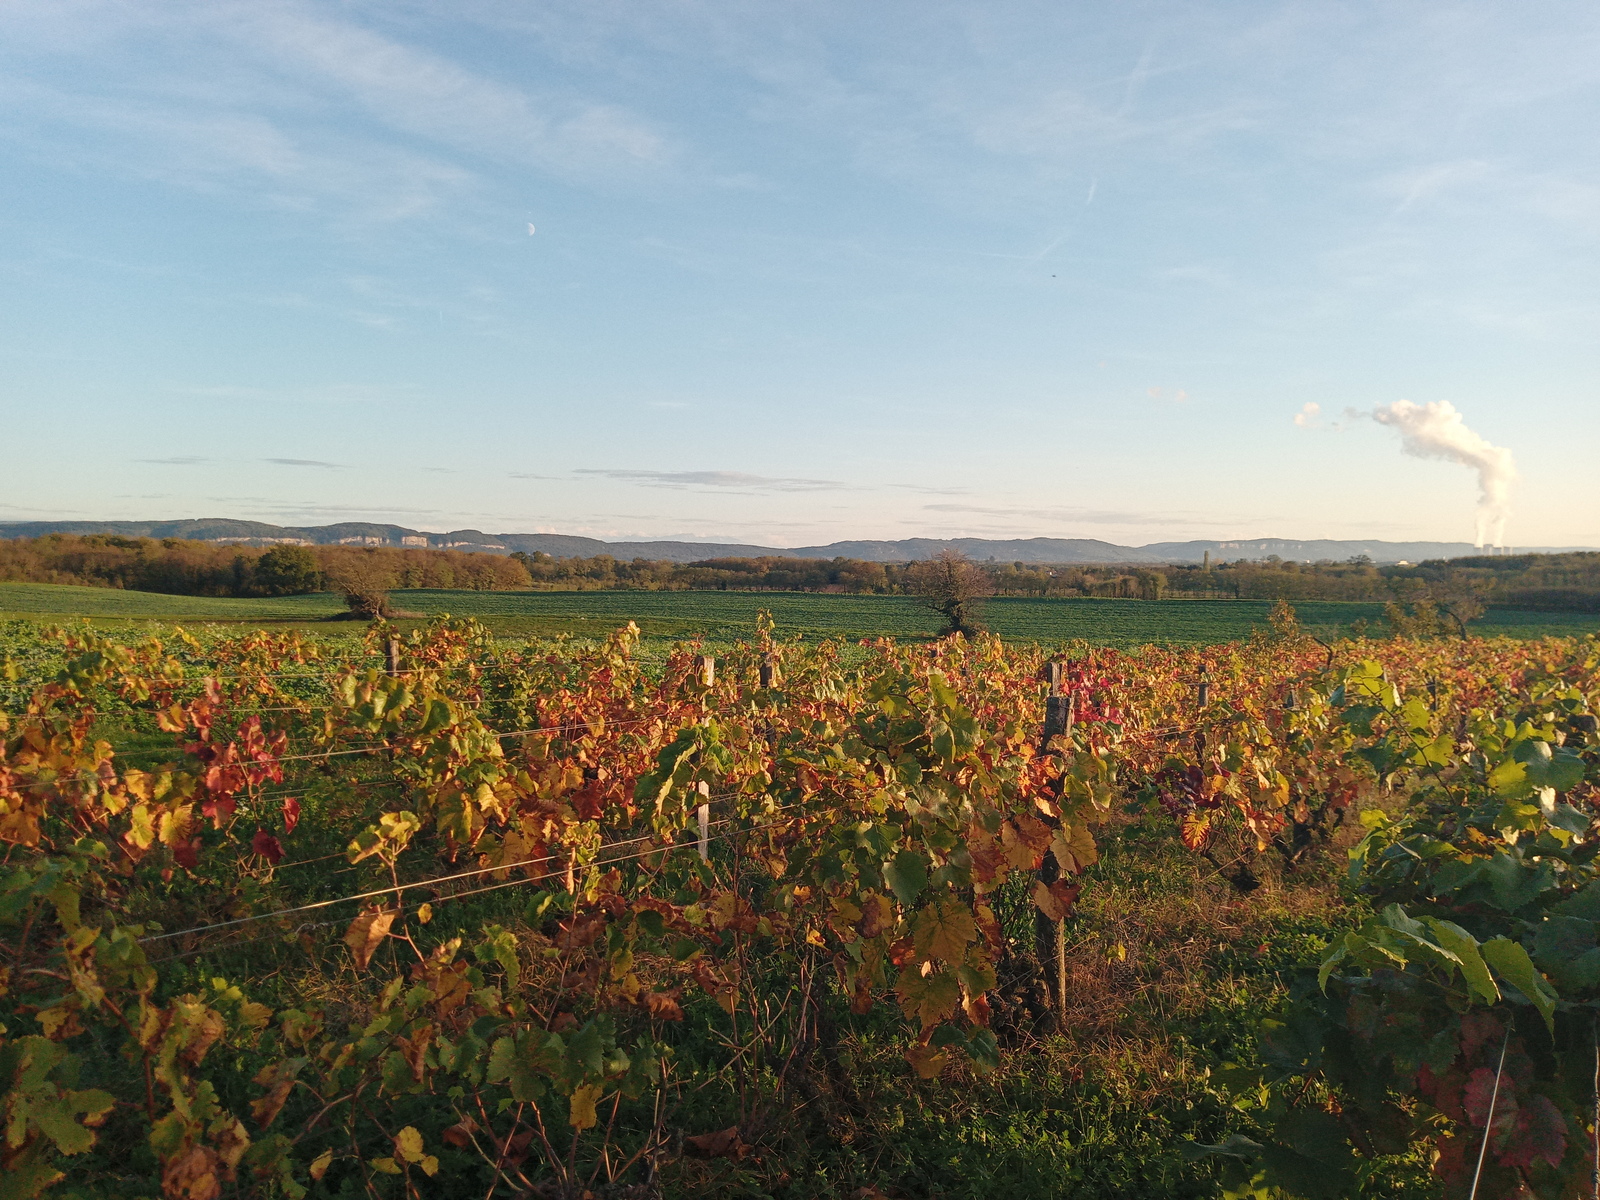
(791, 273)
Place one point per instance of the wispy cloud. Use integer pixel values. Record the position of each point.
(929, 490)
(427, 129)
(306, 462)
(726, 480)
(260, 507)
(425, 93)
(1076, 516)
(180, 460)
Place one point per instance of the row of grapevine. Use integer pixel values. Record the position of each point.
(284, 920)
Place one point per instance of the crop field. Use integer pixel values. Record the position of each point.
(720, 617)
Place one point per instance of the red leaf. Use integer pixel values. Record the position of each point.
(291, 814)
(1480, 1093)
(1541, 1132)
(267, 846)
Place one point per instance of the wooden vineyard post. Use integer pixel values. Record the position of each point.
(703, 821)
(768, 670)
(1050, 941)
(391, 655)
(1202, 700)
(707, 667)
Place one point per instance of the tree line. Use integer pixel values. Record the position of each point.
(186, 568)
(1568, 582)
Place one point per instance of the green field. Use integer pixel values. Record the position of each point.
(723, 616)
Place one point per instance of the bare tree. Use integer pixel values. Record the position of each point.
(953, 586)
(364, 578)
(1461, 598)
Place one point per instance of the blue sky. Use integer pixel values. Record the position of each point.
(798, 271)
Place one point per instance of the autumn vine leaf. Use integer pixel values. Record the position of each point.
(943, 930)
(366, 933)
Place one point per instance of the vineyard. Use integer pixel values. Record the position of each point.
(432, 910)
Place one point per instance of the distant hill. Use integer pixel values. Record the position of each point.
(1029, 550)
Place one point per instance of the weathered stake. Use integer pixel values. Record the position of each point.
(391, 655)
(1050, 936)
(703, 819)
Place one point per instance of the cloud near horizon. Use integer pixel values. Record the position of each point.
(1086, 516)
(730, 480)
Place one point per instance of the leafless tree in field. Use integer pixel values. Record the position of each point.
(953, 586)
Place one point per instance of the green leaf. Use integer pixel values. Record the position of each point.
(1584, 903)
(907, 876)
(977, 980)
(942, 691)
(1513, 884)
(1570, 819)
(1340, 951)
(586, 1054)
(1551, 766)
(1465, 947)
(1509, 780)
(984, 1051)
(1511, 962)
(57, 1119)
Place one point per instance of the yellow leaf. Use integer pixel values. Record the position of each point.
(1019, 854)
(1047, 901)
(174, 825)
(320, 1164)
(430, 1166)
(582, 1115)
(943, 930)
(928, 998)
(425, 913)
(387, 1166)
(408, 1144)
(366, 934)
(253, 1015)
(1074, 848)
(141, 829)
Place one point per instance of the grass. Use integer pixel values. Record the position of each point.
(725, 616)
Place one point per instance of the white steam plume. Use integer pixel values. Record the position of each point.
(1437, 430)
